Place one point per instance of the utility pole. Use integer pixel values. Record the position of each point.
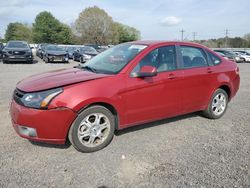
(194, 35)
(226, 38)
(182, 32)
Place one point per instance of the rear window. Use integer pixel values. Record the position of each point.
(193, 57)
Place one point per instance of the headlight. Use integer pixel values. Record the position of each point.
(40, 99)
(86, 56)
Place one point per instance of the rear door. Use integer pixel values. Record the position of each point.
(197, 78)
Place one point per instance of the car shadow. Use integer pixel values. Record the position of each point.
(58, 146)
(62, 62)
(20, 62)
(156, 123)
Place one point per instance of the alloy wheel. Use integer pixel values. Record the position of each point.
(94, 129)
(219, 104)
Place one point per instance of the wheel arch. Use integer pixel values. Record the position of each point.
(227, 89)
(109, 106)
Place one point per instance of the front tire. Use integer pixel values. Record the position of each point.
(217, 105)
(93, 129)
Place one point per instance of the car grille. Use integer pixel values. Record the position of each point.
(17, 96)
(17, 52)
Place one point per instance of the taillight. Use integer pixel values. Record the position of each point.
(237, 70)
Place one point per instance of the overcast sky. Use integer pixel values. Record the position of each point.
(156, 19)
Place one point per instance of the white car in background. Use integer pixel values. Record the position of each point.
(245, 56)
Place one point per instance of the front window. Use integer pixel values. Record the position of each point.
(163, 59)
(17, 44)
(114, 59)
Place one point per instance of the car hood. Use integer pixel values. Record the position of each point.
(88, 53)
(17, 49)
(56, 52)
(57, 78)
(91, 53)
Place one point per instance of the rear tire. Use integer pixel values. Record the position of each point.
(217, 105)
(47, 60)
(92, 130)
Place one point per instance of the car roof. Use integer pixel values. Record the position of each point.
(18, 41)
(162, 42)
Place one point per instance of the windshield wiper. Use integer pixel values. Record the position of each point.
(89, 68)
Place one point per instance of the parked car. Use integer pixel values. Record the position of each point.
(244, 56)
(17, 51)
(243, 52)
(127, 85)
(55, 53)
(222, 55)
(1, 48)
(71, 50)
(84, 54)
(40, 50)
(97, 47)
(230, 55)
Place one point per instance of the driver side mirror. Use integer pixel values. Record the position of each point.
(145, 71)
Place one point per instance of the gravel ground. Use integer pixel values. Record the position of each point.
(187, 151)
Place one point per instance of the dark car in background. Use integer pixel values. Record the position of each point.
(1, 48)
(55, 53)
(97, 47)
(17, 51)
(71, 50)
(230, 55)
(222, 55)
(84, 54)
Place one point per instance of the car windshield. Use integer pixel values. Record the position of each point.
(71, 49)
(220, 53)
(88, 49)
(54, 48)
(114, 59)
(228, 53)
(17, 44)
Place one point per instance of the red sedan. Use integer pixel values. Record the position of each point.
(127, 85)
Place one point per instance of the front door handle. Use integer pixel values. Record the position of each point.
(171, 76)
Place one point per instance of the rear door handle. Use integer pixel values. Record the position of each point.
(209, 70)
(171, 76)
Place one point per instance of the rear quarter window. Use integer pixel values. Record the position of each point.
(215, 59)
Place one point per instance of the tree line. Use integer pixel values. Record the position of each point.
(93, 25)
(227, 42)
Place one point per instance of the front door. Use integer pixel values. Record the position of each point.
(153, 98)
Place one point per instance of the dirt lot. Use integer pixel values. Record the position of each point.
(188, 151)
